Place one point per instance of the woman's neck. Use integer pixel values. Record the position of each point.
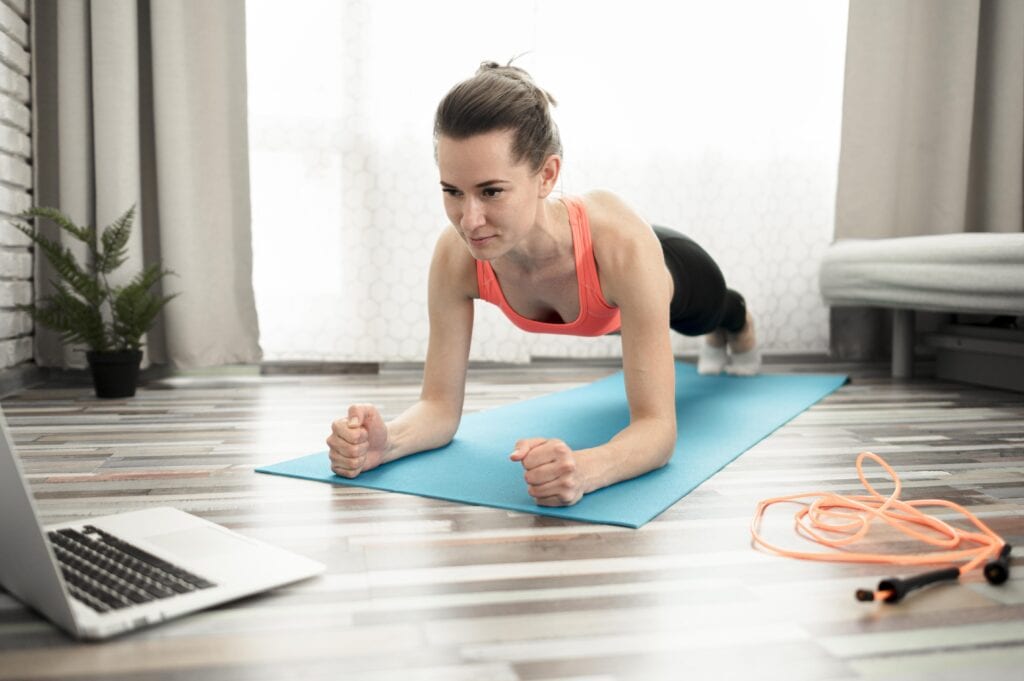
(548, 244)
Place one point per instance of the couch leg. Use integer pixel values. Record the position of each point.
(902, 343)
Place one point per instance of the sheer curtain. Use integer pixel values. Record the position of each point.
(718, 119)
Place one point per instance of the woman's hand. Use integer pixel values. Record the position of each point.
(552, 474)
(357, 443)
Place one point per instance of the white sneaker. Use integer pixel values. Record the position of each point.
(711, 360)
(744, 363)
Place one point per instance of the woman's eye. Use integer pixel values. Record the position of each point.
(451, 192)
(491, 192)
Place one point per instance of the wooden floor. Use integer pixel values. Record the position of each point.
(425, 589)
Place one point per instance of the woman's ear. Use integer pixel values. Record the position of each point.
(549, 175)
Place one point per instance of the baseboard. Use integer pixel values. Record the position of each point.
(19, 378)
(28, 375)
(291, 368)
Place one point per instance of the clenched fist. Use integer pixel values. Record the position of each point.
(551, 471)
(357, 443)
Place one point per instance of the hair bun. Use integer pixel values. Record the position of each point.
(501, 97)
(518, 75)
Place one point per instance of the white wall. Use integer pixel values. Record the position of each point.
(15, 181)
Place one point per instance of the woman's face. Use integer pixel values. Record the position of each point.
(491, 200)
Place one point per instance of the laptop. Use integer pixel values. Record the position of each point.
(115, 573)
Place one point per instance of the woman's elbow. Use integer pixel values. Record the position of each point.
(668, 445)
(445, 419)
(444, 435)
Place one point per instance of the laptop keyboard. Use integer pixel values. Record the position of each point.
(107, 573)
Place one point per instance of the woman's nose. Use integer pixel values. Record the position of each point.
(472, 214)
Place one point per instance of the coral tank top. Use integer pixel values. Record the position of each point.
(596, 317)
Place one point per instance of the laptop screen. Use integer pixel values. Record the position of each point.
(27, 566)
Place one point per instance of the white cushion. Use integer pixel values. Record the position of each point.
(973, 272)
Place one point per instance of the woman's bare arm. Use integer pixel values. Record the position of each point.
(362, 440)
(634, 278)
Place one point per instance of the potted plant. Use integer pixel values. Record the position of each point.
(109, 320)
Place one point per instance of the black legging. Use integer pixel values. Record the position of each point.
(700, 303)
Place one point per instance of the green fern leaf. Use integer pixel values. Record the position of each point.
(115, 243)
(61, 220)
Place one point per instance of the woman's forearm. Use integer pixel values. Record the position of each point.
(425, 425)
(644, 445)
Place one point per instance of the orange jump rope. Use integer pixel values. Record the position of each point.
(839, 521)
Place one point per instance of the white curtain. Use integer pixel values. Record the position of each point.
(933, 119)
(718, 119)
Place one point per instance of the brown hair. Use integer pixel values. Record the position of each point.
(501, 98)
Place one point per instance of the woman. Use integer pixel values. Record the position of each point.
(577, 265)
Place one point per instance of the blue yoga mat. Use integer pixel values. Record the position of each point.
(719, 417)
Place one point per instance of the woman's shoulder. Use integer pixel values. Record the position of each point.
(611, 218)
(601, 201)
(624, 246)
(452, 258)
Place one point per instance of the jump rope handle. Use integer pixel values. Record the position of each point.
(893, 590)
(998, 571)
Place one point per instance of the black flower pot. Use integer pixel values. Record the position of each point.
(115, 374)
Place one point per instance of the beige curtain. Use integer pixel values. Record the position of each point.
(145, 103)
(932, 132)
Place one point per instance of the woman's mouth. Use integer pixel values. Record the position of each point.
(478, 241)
